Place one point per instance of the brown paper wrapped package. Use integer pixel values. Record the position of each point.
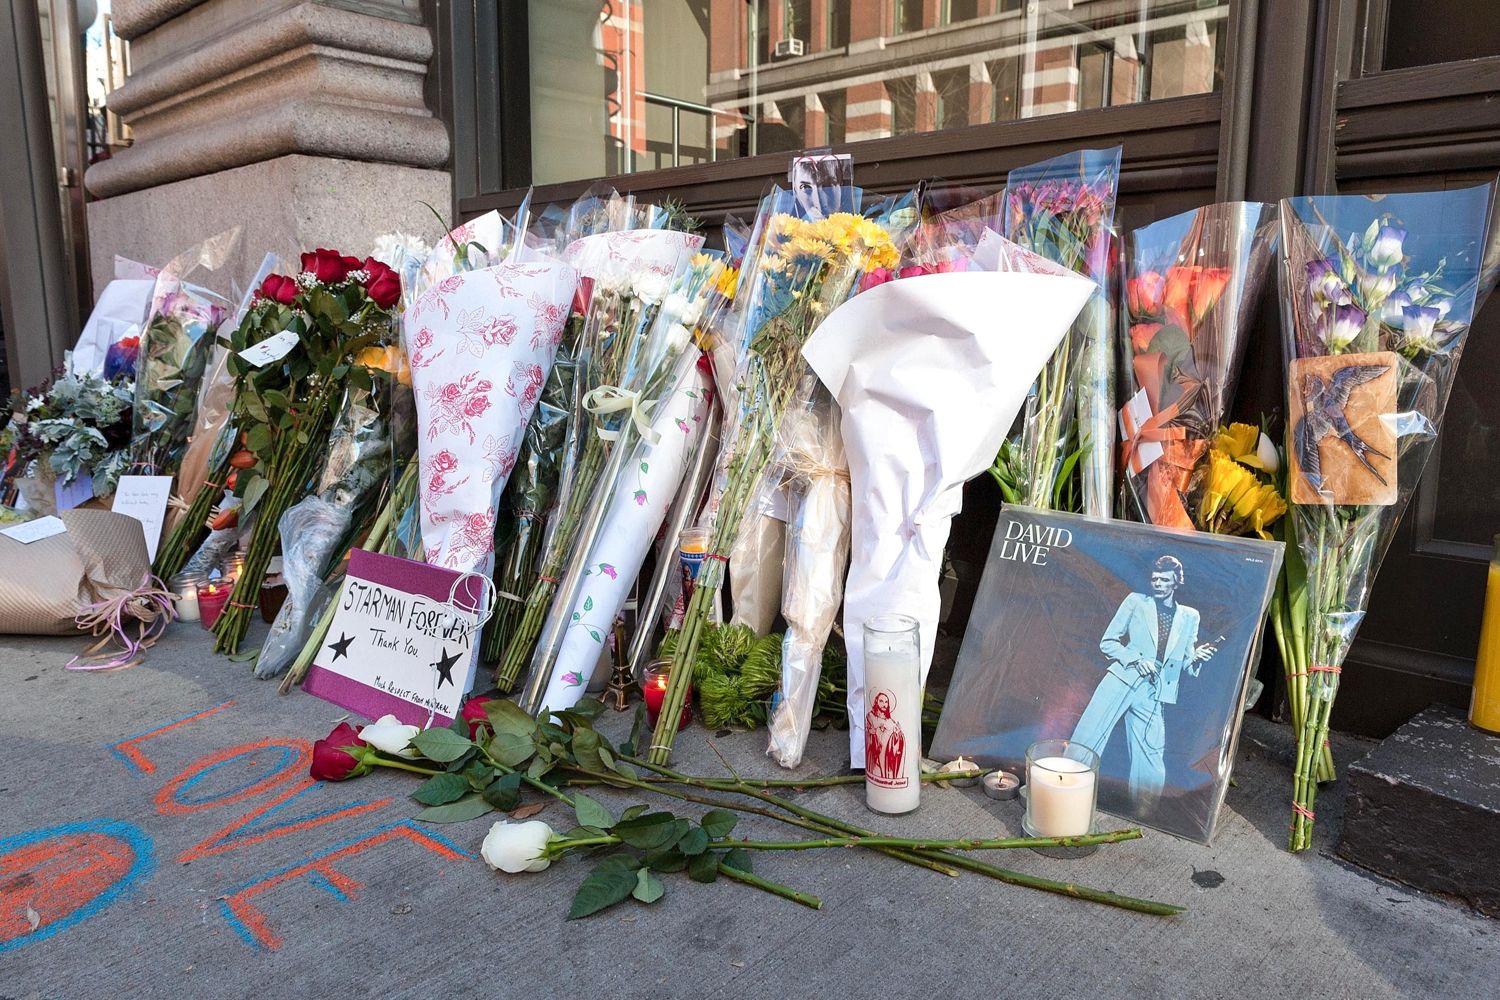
(44, 585)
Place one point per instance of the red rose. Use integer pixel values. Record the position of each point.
(342, 754)
(279, 288)
(328, 266)
(381, 283)
(474, 714)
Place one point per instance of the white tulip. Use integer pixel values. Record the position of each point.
(1265, 450)
(678, 338)
(388, 735)
(517, 847)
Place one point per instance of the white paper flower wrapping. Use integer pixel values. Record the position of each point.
(929, 372)
(480, 344)
(639, 505)
(630, 253)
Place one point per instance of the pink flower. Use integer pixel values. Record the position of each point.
(476, 406)
(444, 461)
(640, 497)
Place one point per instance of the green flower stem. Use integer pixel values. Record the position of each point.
(193, 526)
(401, 765)
(917, 844)
(992, 871)
(766, 885)
(932, 777)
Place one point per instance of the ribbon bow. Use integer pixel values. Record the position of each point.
(150, 605)
(612, 399)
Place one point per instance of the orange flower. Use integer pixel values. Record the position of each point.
(1141, 334)
(1191, 292)
(1144, 294)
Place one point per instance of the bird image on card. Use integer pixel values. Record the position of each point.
(1342, 436)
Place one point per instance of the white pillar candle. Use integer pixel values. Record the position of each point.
(187, 602)
(893, 714)
(1060, 797)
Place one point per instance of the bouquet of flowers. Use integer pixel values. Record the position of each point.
(795, 273)
(1063, 209)
(74, 427)
(1191, 284)
(621, 366)
(174, 351)
(634, 504)
(293, 358)
(1377, 296)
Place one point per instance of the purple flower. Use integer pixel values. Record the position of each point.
(1385, 250)
(1417, 327)
(1375, 286)
(1325, 286)
(609, 571)
(572, 679)
(640, 498)
(1341, 327)
(1391, 311)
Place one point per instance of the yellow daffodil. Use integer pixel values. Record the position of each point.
(1238, 441)
(1235, 501)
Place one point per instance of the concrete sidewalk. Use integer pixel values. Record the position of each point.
(194, 861)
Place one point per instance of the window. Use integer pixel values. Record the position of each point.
(1424, 32)
(838, 23)
(835, 116)
(612, 83)
(961, 10)
(908, 16)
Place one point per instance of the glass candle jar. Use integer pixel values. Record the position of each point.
(654, 690)
(184, 587)
(893, 714)
(1062, 788)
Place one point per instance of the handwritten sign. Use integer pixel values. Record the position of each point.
(396, 644)
(271, 349)
(34, 531)
(145, 499)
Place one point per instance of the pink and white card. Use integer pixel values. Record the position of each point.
(403, 641)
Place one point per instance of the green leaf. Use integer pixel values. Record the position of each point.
(471, 806)
(648, 888)
(511, 750)
(631, 812)
(637, 729)
(719, 823)
(607, 759)
(458, 764)
(605, 886)
(441, 745)
(704, 867)
(508, 717)
(738, 859)
(589, 708)
(478, 774)
(588, 604)
(586, 749)
(591, 813)
(666, 861)
(440, 789)
(649, 832)
(694, 842)
(504, 793)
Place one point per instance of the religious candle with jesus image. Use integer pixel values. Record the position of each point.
(893, 714)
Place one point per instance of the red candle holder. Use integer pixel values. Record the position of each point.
(654, 690)
(212, 597)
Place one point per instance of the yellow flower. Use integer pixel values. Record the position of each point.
(702, 260)
(386, 359)
(810, 246)
(1235, 501)
(728, 282)
(1237, 441)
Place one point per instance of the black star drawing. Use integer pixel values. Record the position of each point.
(445, 667)
(341, 648)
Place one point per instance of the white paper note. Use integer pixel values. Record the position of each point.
(34, 531)
(145, 499)
(271, 349)
(1132, 416)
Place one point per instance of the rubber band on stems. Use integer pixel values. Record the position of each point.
(482, 613)
(1303, 811)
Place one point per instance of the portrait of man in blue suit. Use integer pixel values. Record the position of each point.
(1150, 641)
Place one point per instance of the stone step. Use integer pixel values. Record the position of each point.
(1423, 808)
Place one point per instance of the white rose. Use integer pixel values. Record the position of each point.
(612, 282)
(650, 288)
(517, 847)
(388, 735)
(675, 307)
(1265, 450)
(693, 313)
(678, 338)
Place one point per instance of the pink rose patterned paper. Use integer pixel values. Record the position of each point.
(481, 343)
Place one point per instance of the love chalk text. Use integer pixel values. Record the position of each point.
(408, 613)
(1032, 543)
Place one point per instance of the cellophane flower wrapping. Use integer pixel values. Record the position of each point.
(757, 561)
(75, 424)
(795, 273)
(1377, 296)
(638, 503)
(480, 345)
(929, 372)
(1191, 284)
(375, 423)
(1063, 209)
(111, 338)
(175, 348)
(811, 452)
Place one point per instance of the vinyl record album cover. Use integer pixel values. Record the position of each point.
(1135, 640)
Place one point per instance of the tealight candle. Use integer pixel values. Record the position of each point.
(185, 589)
(654, 690)
(1062, 784)
(212, 597)
(959, 765)
(1001, 785)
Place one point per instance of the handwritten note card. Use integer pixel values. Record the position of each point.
(34, 531)
(145, 499)
(396, 645)
(271, 349)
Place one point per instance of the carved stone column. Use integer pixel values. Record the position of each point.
(301, 120)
